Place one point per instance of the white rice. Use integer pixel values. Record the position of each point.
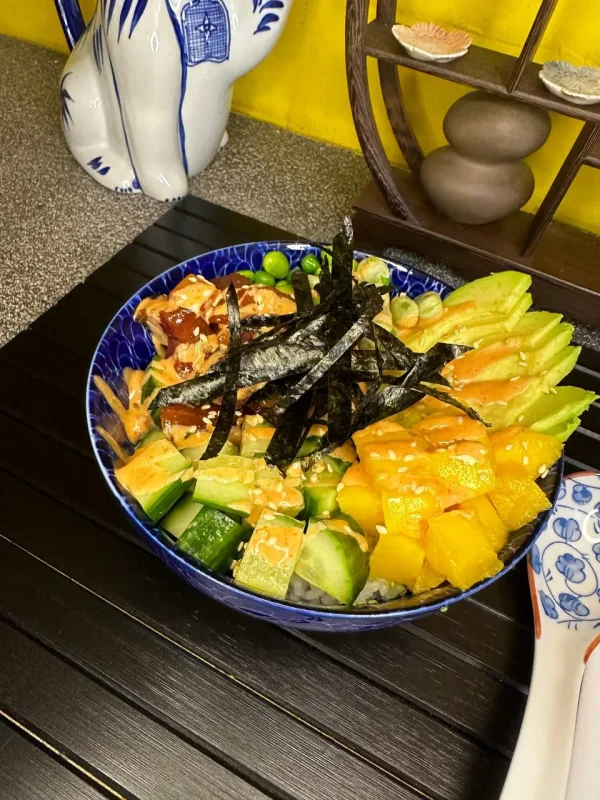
(374, 591)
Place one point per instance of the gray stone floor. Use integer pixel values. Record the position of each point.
(57, 225)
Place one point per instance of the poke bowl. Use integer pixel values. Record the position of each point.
(131, 346)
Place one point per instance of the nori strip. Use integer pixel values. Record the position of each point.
(289, 434)
(302, 292)
(257, 365)
(323, 365)
(226, 416)
(339, 405)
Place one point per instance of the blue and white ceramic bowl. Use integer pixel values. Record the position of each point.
(127, 344)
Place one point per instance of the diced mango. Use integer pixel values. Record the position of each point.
(397, 457)
(517, 446)
(465, 467)
(440, 430)
(427, 579)
(517, 498)
(382, 431)
(360, 501)
(458, 548)
(407, 513)
(398, 559)
(486, 515)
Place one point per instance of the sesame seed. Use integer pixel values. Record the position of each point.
(483, 451)
(409, 457)
(256, 492)
(314, 478)
(240, 546)
(460, 420)
(542, 469)
(251, 437)
(545, 473)
(553, 390)
(522, 363)
(196, 331)
(381, 529)
(508, 447)
(523, 356)
(206, 420)
(544, 372)
(192, 279)
(375, 455)
(378, 432)
(392, 455)
(402, 469)
(501, 402)
(211, 414)
(183, 296)
(279, 487)
(515, 378)
(525, 460)
(339, 487)
(419, 489)
(193, 428)
(477, 342)
(204, 407)
(326, 514)
(413, 444)
(521, 417)
(524, 445)
(273, 506)
(329, 468)
(238, 413)
(269, 516)
(203, 337)
(462, 329)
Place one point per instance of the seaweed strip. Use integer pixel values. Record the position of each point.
(302, 292)
(339, 404)
(290, 434)
(323, 365)
(390, 400)
(452, 401)
(226, 416)
(268, 320)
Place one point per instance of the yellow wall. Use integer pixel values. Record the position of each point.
(302, 85)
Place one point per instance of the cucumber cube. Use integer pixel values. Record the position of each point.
(213, 538)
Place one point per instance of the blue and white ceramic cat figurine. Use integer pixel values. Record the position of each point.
(146, 92)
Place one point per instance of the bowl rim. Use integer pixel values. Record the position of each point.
(153, 531)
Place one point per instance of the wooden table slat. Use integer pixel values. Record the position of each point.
(264, 657)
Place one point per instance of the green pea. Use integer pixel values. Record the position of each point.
(276, 264)
(311, 264)
(404, 311)
(285, 286)
(247, 273)
(430, 305)
(264, 278)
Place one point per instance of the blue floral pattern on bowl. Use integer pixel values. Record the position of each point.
(561, 557)
(127, 344)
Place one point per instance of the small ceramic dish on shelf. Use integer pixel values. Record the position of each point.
(427, 41)
(577, 85)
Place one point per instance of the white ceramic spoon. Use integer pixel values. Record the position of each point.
(584, 775)
(564, 578)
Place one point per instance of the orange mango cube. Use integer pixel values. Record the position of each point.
(484, 513)
(458, 548)
(466, 467)
(361, 501)
(442, 429)
(517, 498)
(520, 447)
(427, 579)
(398, 559)
(406, 513)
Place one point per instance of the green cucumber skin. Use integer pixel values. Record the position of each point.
(181, 516)
(158, 503)
(320, 499)
(213, 539)
(335, 563)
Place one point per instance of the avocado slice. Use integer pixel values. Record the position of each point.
(560, 365)
(490, 364)
(556, 410)
(271, 554)
(497, 292)
(225, 483)
(213, 538)
(564, 429)
(335, 558)
(531, 330)
(491, 325)
(155, 476)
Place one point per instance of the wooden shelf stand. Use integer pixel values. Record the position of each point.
(569, 256)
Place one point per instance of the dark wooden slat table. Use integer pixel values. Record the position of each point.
(118, 680)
